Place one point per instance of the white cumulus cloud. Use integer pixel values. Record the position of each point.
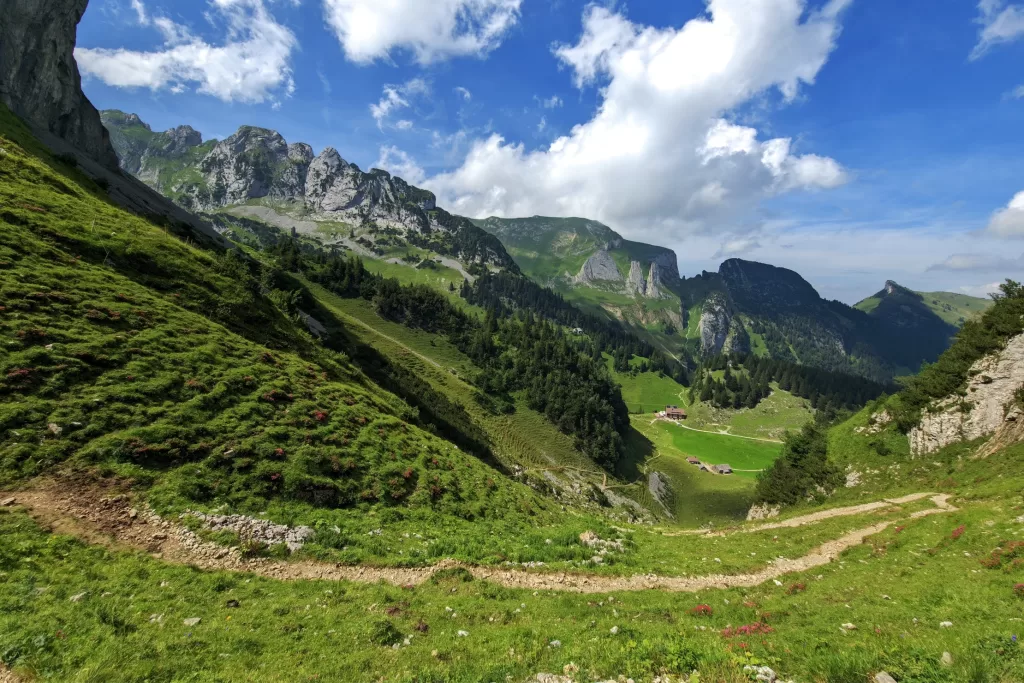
(1009, 221)
(661, 153)
(252, 64)
(973, 262)
(432, 30)
(396, 97)
(1000, 23)
(396, 162)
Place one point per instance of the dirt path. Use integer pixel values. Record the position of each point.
(708, 431)
(351, 318)
(6, 676)
(940, 501)
(104, 517)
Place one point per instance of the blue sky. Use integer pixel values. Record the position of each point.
(851, 140)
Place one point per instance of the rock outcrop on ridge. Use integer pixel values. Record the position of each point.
(39, 79)
(986, 406)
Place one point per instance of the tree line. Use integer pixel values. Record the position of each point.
(517, 349)
(746, 381)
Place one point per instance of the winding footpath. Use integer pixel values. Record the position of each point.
(110, 520)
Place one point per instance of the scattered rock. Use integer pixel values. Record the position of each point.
(7, 502)
(232, 604)
(257, 530)
(592, 540)
(615, 630)
(883, 677)
(55, 429)
(156, 618)
(763, 511)
(852, 479)
(762, 673)
(78, 598)
(946, 624)
(194, 621)
(462, 634)
(133, 514)
(946, 659)
(555, 644)
(849, 627)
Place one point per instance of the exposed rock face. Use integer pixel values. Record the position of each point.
(667, 265)
(714, 324)
(762, 511)
(258, 163)
(600, 267)
(39, 79)
(251, 164)
(984, 408)
(656, 281)
(636, 285)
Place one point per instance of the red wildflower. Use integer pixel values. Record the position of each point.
(319, 415)
(958, 532)
(796, 588)
(278, 452)
(1018, 590)
(702, 611)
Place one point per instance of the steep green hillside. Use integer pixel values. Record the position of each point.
(595, 268)
(900, 302)
(131, 353)
(547, 249)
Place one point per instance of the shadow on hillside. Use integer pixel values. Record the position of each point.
(638, 449)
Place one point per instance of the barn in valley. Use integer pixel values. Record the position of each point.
(675, 413)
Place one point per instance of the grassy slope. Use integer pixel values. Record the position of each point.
(896, 589)
(952, 308)
(153, 362)
(447, 369)
(296, 631)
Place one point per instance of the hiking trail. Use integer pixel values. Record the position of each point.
(103, 516)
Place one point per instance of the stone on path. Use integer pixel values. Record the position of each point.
(7, 502)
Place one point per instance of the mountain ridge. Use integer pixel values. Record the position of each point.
(294, 188)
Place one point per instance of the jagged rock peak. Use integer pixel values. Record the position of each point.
(655, 281)
(636, 285)
(300, 153)
(715, 320)
(185, 136)
(39, 79)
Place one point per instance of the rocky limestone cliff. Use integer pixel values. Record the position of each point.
(40, 83)
(636, 285)
(600, 267)
(292, 184)
(667, 266)
(657, 281)
(715, 321)
(982, 410)
(39, 79)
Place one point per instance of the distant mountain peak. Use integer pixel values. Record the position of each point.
(893, 288)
